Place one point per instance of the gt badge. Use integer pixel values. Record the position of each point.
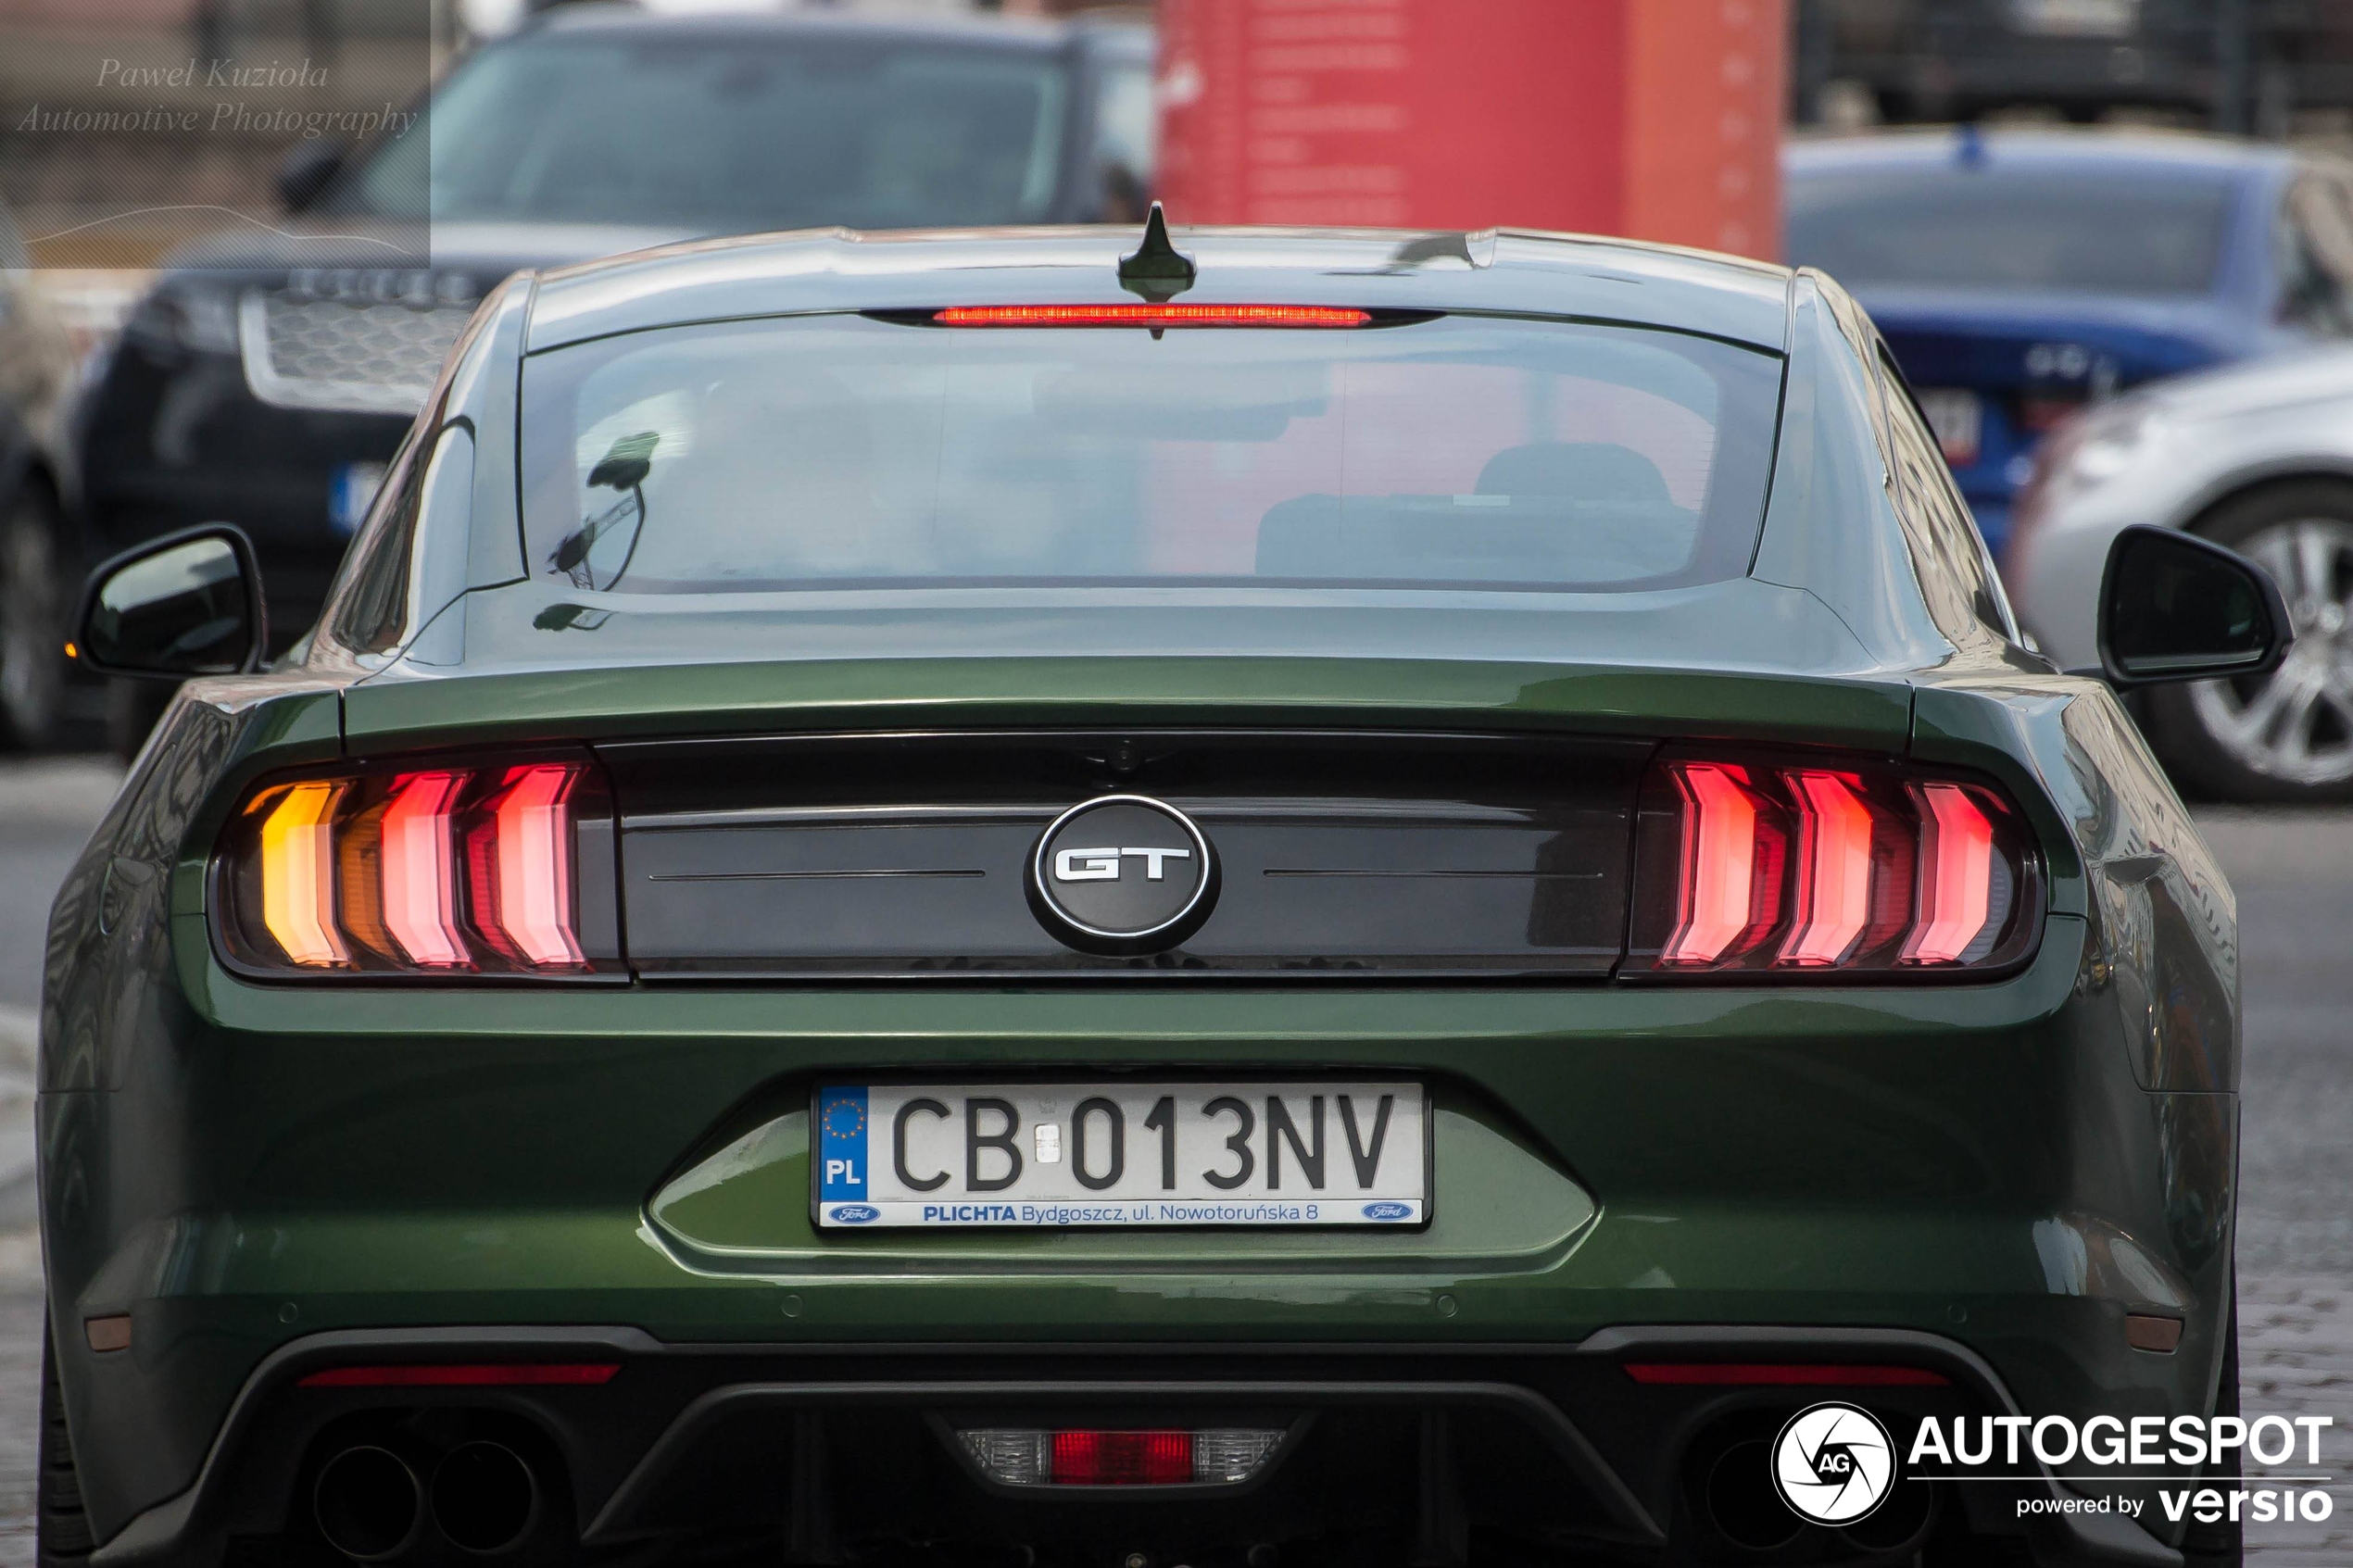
(1122, 874)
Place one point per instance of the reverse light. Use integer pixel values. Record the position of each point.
(1094, 1457)
(494, 869)
(1755, 867)
(1155, 316)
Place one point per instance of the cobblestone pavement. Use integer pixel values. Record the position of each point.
(2294, 873)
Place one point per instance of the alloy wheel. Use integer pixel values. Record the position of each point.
(2297, 723)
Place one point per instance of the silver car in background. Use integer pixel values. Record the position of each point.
(2259, 458)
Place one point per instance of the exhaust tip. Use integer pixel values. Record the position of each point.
(1739, 1501)
(484, 1497)
(367, 1503)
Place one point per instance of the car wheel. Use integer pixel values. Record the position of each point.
(61, 1529)
(35, 598)
(2285, 737)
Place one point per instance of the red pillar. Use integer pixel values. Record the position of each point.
(1660, 119)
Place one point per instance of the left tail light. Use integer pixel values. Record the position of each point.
(1828, 867)
(428, 867)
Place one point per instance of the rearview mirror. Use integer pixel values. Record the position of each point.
(2174, 606)
(187, 604)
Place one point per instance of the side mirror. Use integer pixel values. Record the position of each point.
(187, 604)
(309, 169)
(2174, 606)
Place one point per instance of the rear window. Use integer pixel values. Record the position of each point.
(840, 450)
(1993, 229)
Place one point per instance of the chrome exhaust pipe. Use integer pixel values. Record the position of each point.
(1738, 1501)
(485, 1499)
(367, 1503)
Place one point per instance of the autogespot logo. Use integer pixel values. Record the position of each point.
(1833, 1463)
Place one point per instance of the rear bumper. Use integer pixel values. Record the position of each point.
(1409, 1450)
(259, 1175)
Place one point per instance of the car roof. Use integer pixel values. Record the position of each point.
(2088, 151)
(730, 20)
(1505, 272)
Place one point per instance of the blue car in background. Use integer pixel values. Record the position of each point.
(2018, 275)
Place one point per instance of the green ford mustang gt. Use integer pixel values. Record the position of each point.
(1031, 899)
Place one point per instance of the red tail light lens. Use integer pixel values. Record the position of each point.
(1122, 1459)
(1754, 867)
(480, 869)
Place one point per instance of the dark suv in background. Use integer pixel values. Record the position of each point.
(266, 381)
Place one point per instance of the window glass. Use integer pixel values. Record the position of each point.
(2012, 230)
(726, 132)
(2316, 256)
(846, 450)
(1960, 585)
(1127, 125)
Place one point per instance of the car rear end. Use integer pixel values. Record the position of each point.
(1126, 1038)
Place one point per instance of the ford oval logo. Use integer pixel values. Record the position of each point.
(853, 1213)
(1389, 1211)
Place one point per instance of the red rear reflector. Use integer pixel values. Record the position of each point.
(1776, 1375)
(1748, 866)
(1122, 1459)
(478, 1375)
(1151, 316)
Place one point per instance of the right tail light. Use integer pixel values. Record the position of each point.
(1827, 868)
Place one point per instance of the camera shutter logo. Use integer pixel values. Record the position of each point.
(1833, 1463)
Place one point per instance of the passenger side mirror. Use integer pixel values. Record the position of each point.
(308, 169)
(2174, 606)
(187, 604)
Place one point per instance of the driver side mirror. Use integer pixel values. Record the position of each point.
(185, 605)
(2174, 606)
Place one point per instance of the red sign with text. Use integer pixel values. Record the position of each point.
(1657, 119)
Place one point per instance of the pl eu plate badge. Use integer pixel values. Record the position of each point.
(841, 1148)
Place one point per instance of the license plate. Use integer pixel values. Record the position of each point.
(1071, 1156)
(1958, 421)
